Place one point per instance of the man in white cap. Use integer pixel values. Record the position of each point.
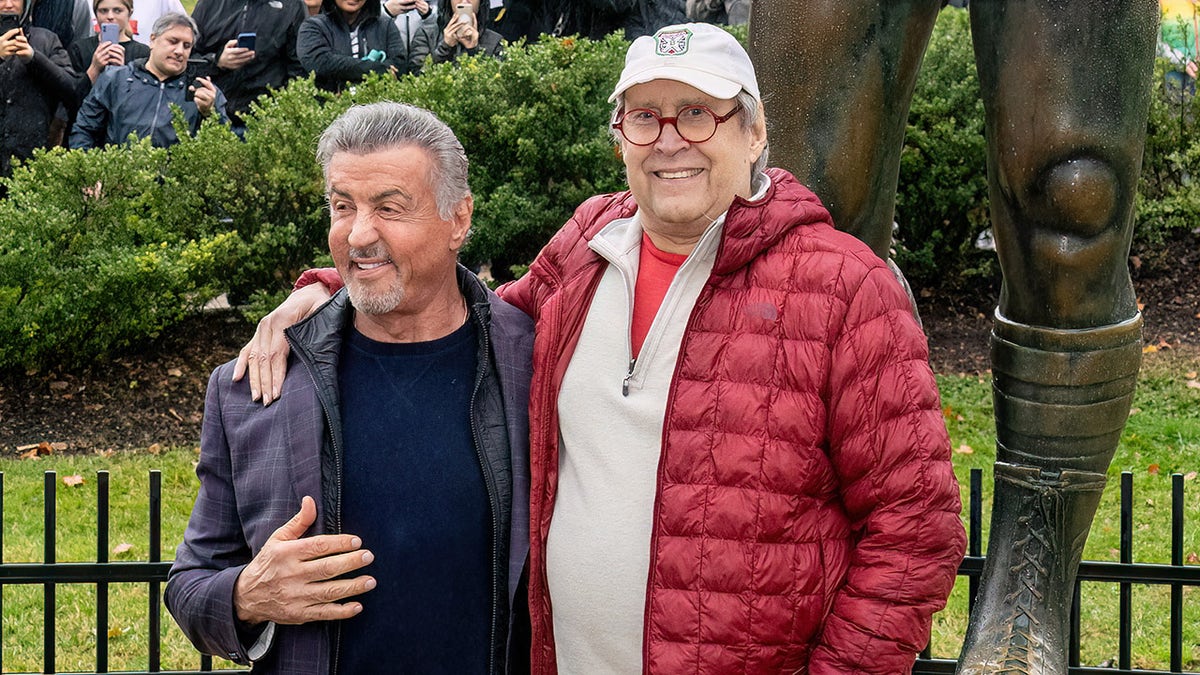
(739, 461)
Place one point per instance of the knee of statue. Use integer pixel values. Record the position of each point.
(1080, 196)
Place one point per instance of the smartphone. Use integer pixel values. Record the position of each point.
(9, 22)
(464, 14)
(110, 32)
(246, 40)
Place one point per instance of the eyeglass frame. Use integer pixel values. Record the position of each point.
(619, 124)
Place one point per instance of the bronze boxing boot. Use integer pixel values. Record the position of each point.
(1061, 398)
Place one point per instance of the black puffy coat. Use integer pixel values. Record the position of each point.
(30, 92)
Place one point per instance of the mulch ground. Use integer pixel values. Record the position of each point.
(157, 395)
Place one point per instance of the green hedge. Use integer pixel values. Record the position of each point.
(102, 250)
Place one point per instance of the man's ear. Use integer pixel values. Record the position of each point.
(462, 222)
(758, 133)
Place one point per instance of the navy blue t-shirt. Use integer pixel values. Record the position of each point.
(413, 490)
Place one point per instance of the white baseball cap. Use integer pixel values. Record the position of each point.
(697, 54)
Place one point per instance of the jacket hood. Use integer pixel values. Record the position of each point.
(446, 12)
(370, 9)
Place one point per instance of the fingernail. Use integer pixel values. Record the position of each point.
(370, 583)
(355, 542)
(368, 557)
(254, 395)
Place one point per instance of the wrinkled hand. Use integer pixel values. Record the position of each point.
(294, 580)
(265, 356)
(205, 95)
(234, 57)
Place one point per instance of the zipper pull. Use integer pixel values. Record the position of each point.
(628, 376)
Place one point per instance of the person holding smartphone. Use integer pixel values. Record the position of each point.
(92, 54)
(410, 16)
(136, 98)
(35, 77)
(461, 29)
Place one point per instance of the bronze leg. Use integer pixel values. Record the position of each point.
(1065, 88)
(837, 77)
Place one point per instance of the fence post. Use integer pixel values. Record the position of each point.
(1177, 560)
(1125, 590)
(155, 556)
(102, 558)
(49, 537)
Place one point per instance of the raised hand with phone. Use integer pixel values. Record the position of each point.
(463, 28)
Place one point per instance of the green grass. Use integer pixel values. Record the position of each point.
(1164, 430)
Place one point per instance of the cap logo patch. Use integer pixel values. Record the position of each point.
(673, 43)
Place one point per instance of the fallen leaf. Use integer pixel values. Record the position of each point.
(1152, 469)
(1193, 384)
(1149, 349)
(1149, 502)
(123, 547)
(154, 449)
(116, 632)
(1134, 411)
(964, 449)
(175, 372)
(1191, 374)
(59, 385)
(1191, 475)
(58, 446)
(105, 453)
(947, 412)
(1135, 261)
(1141, 306)
(73, 481)
(175, 414)
(1192, 558)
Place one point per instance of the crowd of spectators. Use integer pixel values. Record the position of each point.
(86, 73)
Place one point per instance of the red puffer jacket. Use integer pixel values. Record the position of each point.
(807, 517)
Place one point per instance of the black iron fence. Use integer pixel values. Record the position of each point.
(50, 573)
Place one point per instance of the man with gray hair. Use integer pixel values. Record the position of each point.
(136, 98)
(377, 520)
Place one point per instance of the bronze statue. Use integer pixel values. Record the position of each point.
(1066, 93)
